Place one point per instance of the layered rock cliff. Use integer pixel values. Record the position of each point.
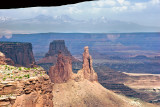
(23, 87)
(62, 71)
(20, 53)
(87, 70)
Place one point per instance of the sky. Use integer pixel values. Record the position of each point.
(142, 12)
(145, 12)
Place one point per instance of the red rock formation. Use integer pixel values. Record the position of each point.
(20, 53)
(34, 92)
(87, 70)
(4, 60)
(62, 71)
(54, 48)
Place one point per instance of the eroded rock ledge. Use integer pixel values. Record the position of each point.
(34, 89)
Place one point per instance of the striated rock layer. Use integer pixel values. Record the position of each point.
(20, 53)
(87, 70)
(62, 71)
(33, 92)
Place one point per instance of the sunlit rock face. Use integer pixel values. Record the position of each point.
(4, 60)
(62, 71)
(87, 70)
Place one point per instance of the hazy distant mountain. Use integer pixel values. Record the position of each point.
(65, 23)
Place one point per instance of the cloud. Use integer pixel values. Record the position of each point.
(5, 33)
(139, 6)
(104, 3)
(155, 2)
(74, 10)
(120, 9)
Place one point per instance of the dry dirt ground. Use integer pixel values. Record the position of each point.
(90, 94)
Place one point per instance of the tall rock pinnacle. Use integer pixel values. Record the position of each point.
(87, 69)
(62, 71)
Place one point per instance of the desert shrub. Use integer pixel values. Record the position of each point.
(4, 78)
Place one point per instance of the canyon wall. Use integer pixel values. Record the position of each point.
(20, 53)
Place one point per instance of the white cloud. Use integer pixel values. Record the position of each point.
(139, 6)
(74, 10)
(155, 2)
(120, 9)
(104, 3)
(6, 33)
(121, 1)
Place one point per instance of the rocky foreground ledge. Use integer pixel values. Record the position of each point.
(26, 87)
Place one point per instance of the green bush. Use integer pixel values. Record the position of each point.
(4, 78)
(20, 68)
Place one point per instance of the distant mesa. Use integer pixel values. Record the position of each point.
(20, 53)
(140, 57)
(55, 47)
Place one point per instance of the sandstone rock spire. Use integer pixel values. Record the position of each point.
(87, 70)
(62, 71)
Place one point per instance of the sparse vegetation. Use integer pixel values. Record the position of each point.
(4, 78)
(11, 73)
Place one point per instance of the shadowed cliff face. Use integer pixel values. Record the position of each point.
(20, 53)
(62, 71)
(56, 46)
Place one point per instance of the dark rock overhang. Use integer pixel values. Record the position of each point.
(11, 4)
